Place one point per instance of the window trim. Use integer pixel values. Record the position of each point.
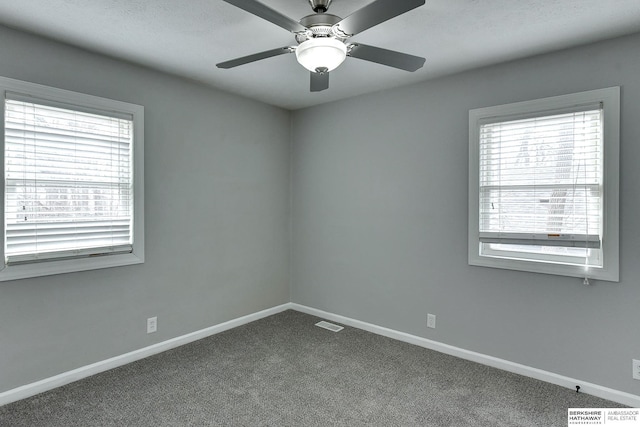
(82, 101)
(610, 99)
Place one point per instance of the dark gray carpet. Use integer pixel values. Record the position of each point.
(284, 371)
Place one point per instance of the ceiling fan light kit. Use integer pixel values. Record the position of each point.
(322, 37)
(322, 53)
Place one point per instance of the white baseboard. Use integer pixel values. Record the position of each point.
(114, 362)
(550, 377)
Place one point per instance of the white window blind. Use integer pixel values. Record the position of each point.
(541, 183)
(68, 181)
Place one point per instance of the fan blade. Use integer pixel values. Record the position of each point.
(391, 58)
(265, 12)
(255, 57)
(373, 14)
(319, 81)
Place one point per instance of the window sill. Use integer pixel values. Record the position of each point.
(48, 268)
(558, 269)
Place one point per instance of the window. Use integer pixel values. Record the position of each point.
(73, 194)
(543, 185)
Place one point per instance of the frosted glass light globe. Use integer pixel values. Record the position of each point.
(321, 52)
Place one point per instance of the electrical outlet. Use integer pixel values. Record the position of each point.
(152, 324)
(636, 369)
(431, 321)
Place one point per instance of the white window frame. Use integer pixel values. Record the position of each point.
(610, 101)
(50, 267)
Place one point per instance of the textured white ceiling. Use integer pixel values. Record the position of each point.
(188, 38)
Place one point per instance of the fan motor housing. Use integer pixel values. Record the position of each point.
(320, 25)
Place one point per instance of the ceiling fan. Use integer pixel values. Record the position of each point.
(323, 38)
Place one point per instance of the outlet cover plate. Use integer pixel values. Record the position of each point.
(431, 321)
(152, 324)
(636, 369)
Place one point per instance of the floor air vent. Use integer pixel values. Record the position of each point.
(329, 326)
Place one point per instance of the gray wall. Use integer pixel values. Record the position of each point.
(216, 217)
(380, 220)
